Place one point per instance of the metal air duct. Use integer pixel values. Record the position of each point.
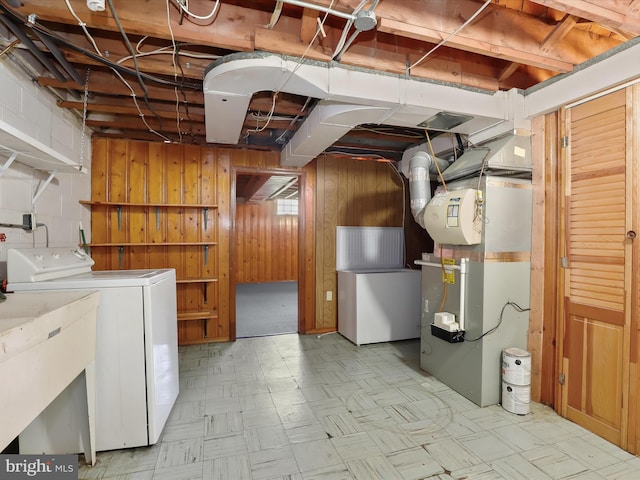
(349, 96)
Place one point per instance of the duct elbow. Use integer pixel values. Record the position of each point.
(419, 184)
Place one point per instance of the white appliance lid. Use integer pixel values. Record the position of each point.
(40, 264)
(369, 248)
(70, 267)
(100, 279)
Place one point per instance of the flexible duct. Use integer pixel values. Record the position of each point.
(420, 184)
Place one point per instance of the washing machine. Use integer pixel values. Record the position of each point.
(136, 350)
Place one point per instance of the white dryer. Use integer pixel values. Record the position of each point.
(136, 349)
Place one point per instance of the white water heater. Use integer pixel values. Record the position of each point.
(455, 217)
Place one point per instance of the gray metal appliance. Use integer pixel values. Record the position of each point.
(489, 274)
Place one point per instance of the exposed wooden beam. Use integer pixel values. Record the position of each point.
(156, 105)
(107, 83)
(135, 123)
(250, 124)
(492, 35)
(255, 183)
(284, 42)
(623, 15)
(151, 137)
(129, 110)
(150, 18)
(559, 32)
(149, 66)
(285, 105)
(507, 71)
(308, 25)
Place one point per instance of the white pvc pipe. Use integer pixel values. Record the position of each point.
(463, 283)
(463, 291)
(320, 8)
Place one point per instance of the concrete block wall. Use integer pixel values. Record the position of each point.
(33, 110)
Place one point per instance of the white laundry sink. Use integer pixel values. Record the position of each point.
(46, 341)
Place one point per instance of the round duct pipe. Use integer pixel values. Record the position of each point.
(420, 184)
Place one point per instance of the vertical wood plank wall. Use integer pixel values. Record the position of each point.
(266, 244)
(544, 259)
(169, 190)
(351, 193)
(340, 190)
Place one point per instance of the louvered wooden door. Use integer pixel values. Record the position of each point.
(596, 331)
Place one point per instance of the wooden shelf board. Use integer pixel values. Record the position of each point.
(151, 244)
(141, 204)
(188, 316)
(197, 280)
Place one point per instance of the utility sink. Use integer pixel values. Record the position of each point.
(46, 341)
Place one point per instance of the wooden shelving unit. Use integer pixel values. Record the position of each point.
(127, 235)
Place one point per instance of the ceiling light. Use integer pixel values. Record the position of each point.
(365, 20)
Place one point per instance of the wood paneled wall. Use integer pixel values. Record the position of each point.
(266, 244)
(333, 191)
(160, 209)
(149, 202)
(353, 193)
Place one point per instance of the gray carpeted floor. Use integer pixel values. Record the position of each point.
(266, 309)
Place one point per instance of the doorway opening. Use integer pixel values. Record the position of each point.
(265, 253)
(266, 309)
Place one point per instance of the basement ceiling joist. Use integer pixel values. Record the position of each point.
(510, 44)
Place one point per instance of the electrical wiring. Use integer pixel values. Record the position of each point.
(97, 57)
(175, 68)
(169, 51)
(295, 119)
(340, 47)
(262, 118)
(269, 116)
(185, 9)
(302, 58)
(362, 156)
(275, 16)
(135, 62)
(444, 185)
(295, 69)
(514, 305)
(383, 132)
(115, 71)
(82, 25)
(452, 34)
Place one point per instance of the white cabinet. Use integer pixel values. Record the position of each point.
(379, 306)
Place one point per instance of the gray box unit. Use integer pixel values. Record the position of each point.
(497, 271)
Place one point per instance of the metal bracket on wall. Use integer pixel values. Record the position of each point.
(8, 163)
(205, 293)
(120, 257)
(119, 209)
(43, 186)
(205, 217)
(157, 219)
(206, 254)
